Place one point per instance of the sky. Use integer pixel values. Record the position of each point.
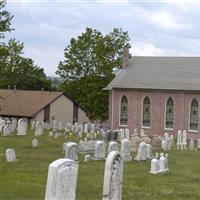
(155, 28)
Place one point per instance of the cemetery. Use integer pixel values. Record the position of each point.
(85, 162)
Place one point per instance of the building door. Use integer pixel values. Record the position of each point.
(47, 113)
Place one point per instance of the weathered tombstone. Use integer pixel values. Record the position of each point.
(166, 162)
(142, 133)
(127, 133)
(142, 152)
(99, 152)
(113, 146)
(179, 139)
(80, 130)
(50, 133)
(7, 130)
(59, 126)
(184, 140)
(71, 151)
(39, 128)
(113, 175)
(191, 144)
(2, 124)
(198, 143)
(33, 123)
(162, 164)
(154, 166)
(68, 127)
(85, 130)
(62, 180)
(135, 141)
(157, 155)
(125, 150)
(10, 155)
(35, 143)
(57, 134)
(22, 126)
(54, 125)
(149, 151)
(121, 134)
(13, 124)
(87, 157)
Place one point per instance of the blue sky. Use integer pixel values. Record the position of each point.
(156, 28)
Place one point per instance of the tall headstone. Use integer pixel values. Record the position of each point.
(142, 152)
(191, 144)
(198, 143)
(62, 180)
(99, 151)
(39, 128)
(13, 124)
(33, 123)
(2, 124)
(154, 166)
(7, 130)
(125, 150)
(85, 130)
(127, 133)
(54, 126)
(71, 151)
(184, 140)
(10, 155)
(59, 126)
(179, 139)
(149, 151)
(22, 126)
(113, 175)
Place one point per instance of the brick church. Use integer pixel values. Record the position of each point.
(158, 94)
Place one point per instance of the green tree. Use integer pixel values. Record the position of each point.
(90, 62)
(19, 71)
(5, 20)
(16, 70)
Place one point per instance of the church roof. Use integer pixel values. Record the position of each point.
(165, 73)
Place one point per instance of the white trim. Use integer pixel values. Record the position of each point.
(193, 131)
(197, 116)
(112, 109)
(120, 110)
(165, 128)
(169, 129)
(148, 127)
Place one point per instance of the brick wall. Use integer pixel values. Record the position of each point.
(158, 100)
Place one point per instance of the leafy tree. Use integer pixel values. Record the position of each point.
(89, 65)
(5, 20)
(16, 70)
(19, 71)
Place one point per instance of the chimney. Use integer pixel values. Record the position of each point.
(125, 57)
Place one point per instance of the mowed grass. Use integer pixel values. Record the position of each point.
(26, 179)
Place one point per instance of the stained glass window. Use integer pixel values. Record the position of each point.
(194, 115)
(146, 112)
(169, 118)
(124, 111)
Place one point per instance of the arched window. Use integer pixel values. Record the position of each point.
(124, 111)
(146, 112)
(169, 117)
(194, 115)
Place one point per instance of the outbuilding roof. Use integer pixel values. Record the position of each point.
(25, 103)
(165, 73)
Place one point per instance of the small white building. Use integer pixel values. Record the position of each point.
(41, 106)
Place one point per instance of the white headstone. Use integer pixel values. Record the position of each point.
(191, 144)
(2, 124)
(68, 127)
(127, 133)
(10, 155)
(71, 151)
(50, 133)
(39, 128)
(125, 150)
(179, 139)
(162, 164)
(22, 126)
(33, 124)
(113, 175)
(154, 166)
(87, 157)
(113, 146)
(142, 152)
(35, 143)
(7, 130)
(13, 125)
(59, 126)
(62, 180)
(54, 125)
(85, 130)
(198, 143)
(149, 151)
(99, 151)
(184, 140)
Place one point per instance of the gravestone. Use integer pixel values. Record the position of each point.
(50, 133)
(113, 175)
(99, 151)
(10, 155)
(62, 180)
(59, 126)
(13, 125)
(149, 151)
(68, 127)
(162, 164)
(113, 146)
(71, 151)
(184, 140)
(22, 126)
(85, 130)
(154, 166)
(39, 128)
(33, 123)
(142, 152)
(2, 124)
(125, 150)
(191, 144)
(198, 143)
(179, 139)
(87, 157)
(127, 133)
(7, 130)
(35, 143)
(54, 126)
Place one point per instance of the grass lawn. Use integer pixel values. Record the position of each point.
(26, 179)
